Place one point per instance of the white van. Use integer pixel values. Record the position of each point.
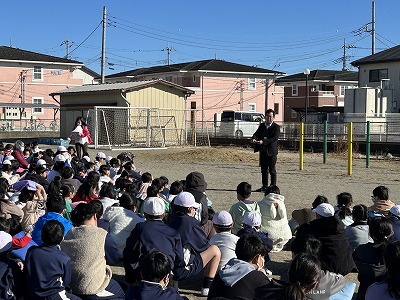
(239, 124)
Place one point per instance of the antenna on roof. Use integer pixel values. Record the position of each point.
(10, 43)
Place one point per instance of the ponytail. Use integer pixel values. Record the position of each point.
(294, 292)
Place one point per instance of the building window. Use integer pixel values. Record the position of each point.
(11, 112)
(252, 107)
(293, 114)
(37, 73)
(294, 90)
(377, 75)
(37, 110)
(251, 84)
(276, 108)
(168, 78)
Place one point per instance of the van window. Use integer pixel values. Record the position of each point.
(228, 116)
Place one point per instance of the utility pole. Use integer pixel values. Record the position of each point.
(103, 46)
(373, 27)
(169, 49)
(22, 75)
(345, 46)
(67, 44)
(241, 89)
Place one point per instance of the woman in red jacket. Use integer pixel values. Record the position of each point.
(81, 137)
(18, 154)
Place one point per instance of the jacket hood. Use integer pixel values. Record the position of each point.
(196, 181)
(271, 197)
(235, 270)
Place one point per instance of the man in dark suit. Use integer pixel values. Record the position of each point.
(265, 141)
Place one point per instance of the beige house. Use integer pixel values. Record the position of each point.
(126, 114)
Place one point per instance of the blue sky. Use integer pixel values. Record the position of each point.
(285, 35)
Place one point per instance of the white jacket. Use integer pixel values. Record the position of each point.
(274, 219)
(122, 222)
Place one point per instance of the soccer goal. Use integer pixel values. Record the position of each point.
(144, 127)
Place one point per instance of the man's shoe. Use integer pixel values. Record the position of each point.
(261, 189)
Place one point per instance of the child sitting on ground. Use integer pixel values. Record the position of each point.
(197, 251)
(225, 240)
(155, 273)
(146, 182)
(244, 205)
(252, 225)
(344, 207)
(274, 218)
(47, 267)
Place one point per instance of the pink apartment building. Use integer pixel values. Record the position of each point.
(219, 85)
(26, 80)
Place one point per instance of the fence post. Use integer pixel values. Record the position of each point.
(368, 145)
(96, 129)
(325, 141)
(350, 148)
(148, 130)
(301, 146)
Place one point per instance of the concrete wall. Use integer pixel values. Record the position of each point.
(393, 75)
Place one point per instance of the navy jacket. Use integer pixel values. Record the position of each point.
(148, 236)
(191, 233)
(11, 279)
(48, 271)
(152, 291)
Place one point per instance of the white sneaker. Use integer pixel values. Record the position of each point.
(204, 291)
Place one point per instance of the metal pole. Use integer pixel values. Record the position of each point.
(103, 46)
(306, 104)
(373, 27)
(350, 148)
(301, 146)
(368, 145)
(325, 140)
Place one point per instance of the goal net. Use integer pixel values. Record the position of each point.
(144, 127)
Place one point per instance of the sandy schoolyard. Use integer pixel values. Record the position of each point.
(225, 167)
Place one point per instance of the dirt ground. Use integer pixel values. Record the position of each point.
(225, 167)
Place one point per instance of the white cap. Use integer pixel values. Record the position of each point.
(5, 241)
(59, 157)
(6, 162)
(108, 158)
(100, 155)
(41, 162)
(222, 218)
(252, 218)
(154, 206)
(9, 157)
(324, 210)
(186, 199)
(36, 150)
(61, 149)
(87, 158)
(395, 210)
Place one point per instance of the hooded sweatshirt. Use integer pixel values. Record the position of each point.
(274, 219)
(196, 185)
(240, 280)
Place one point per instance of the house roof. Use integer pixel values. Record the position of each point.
(15, 54)
(210, 65)
(388, 55)
(321, 75)
(122, 87)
